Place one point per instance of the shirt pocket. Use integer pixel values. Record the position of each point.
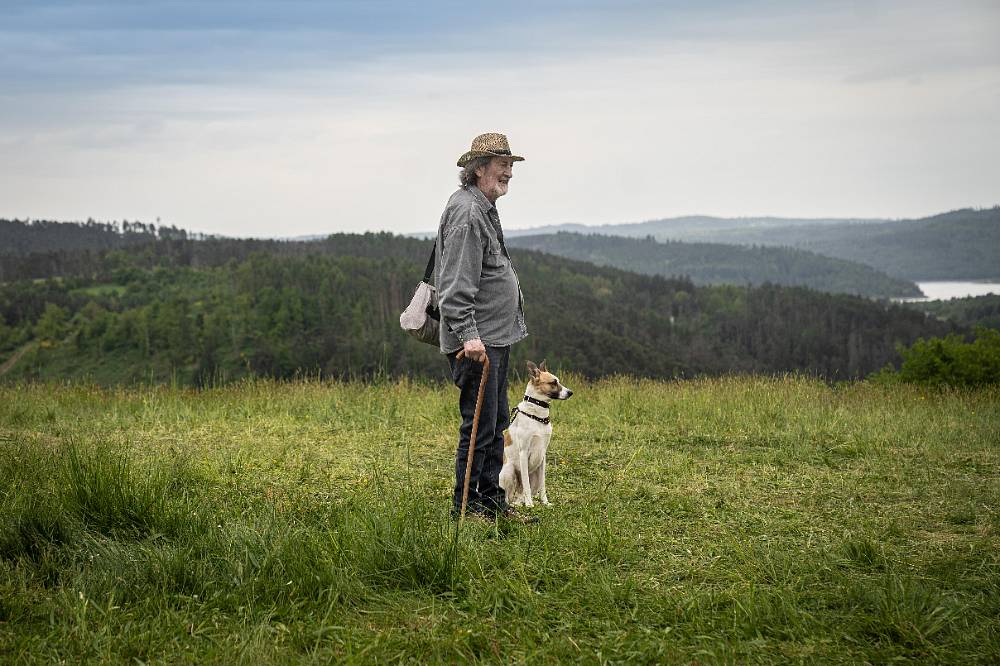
(493, 256)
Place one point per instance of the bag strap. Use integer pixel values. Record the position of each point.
(503, 246)
(430, 264)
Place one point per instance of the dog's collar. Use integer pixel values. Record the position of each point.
(541, 419)
(533, 401)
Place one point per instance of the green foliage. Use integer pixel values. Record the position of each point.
(742, 520)
(971, 311)
(205, 311)
(953, 361)
(51, 326)
(6, 333)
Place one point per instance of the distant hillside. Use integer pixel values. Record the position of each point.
(196, 311)
(676, 228)
(962, 244)
(716, 263)
(688, 227)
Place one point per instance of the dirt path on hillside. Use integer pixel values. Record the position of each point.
(9, 363)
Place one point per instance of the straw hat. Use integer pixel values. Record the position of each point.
(490, 144)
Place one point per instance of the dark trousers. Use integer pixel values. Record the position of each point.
(485, 493)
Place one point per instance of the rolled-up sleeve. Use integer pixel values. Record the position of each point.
(461, 265)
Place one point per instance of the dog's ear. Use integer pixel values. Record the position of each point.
(542, 366)
(533, 370)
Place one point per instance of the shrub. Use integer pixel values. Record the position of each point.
(953, 361)
(52, 324)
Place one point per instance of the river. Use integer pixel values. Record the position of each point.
(947, 289)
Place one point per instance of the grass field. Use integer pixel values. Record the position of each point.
(734, 520)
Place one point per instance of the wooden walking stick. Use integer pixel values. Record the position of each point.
(475, 429)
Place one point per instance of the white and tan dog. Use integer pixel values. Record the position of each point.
(527, 438)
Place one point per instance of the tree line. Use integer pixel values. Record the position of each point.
(203, 310)
(970, 312)
(958, 245)
(717, 263)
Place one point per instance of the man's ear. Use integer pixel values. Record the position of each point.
(533, 370)
(542, 367)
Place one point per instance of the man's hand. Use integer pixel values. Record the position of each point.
(474, 350)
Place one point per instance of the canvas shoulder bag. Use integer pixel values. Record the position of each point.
(421, 318)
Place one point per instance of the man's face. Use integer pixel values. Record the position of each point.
(493, 177)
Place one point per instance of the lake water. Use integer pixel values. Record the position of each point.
(947, 289)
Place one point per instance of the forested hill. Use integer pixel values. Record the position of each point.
(203, 310)
(971, 311)
(21, 237)
(716, 263)
(961, 244)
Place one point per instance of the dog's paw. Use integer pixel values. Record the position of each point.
(545, 501)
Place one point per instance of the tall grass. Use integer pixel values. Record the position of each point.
(741, 519)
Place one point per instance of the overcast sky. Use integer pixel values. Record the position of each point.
(291, 118)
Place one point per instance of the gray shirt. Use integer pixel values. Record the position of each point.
(478, 291)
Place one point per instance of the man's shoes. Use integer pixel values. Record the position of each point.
(510, 514)
(515, 516)
(478, 517)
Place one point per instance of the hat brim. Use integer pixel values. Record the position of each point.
(473, 154)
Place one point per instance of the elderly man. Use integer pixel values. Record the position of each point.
(482, 313)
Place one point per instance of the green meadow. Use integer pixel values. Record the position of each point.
(741, 519)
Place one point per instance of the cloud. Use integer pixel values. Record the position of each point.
(267, 128)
